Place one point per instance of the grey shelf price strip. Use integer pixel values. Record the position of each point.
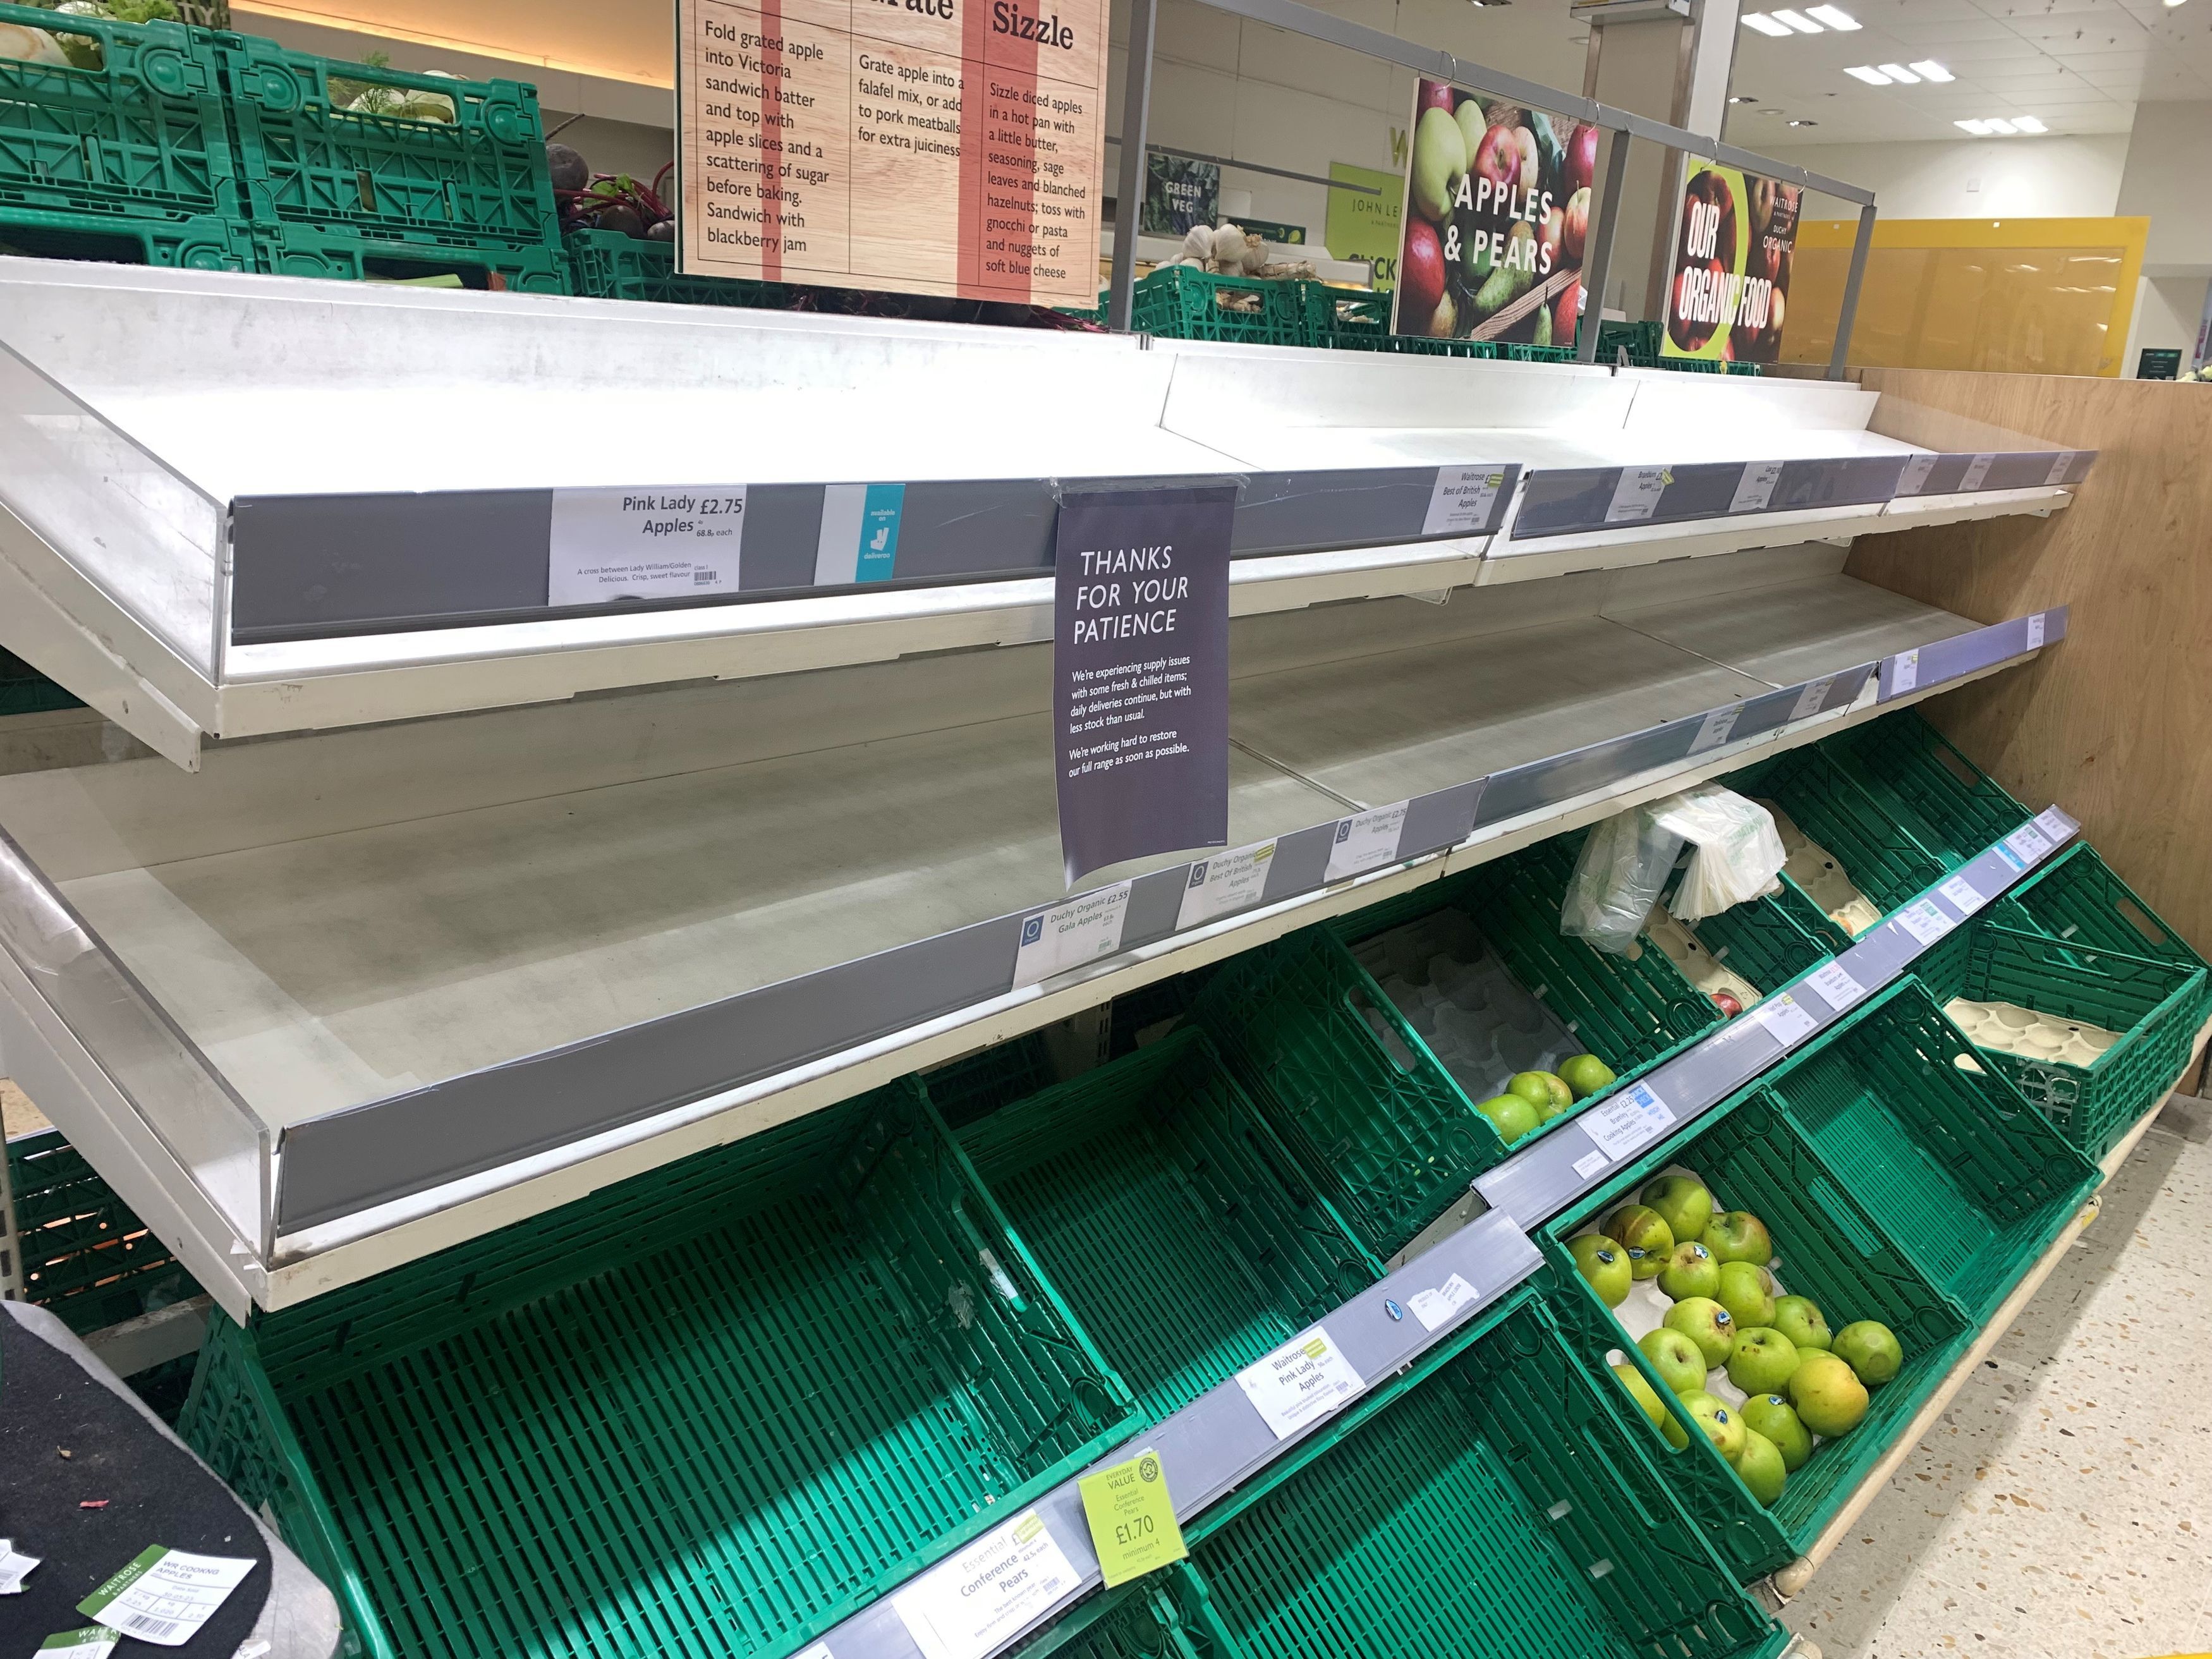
(1575, 501)
(1907, 674)
(1955, 474)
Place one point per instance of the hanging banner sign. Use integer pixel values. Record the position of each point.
(949, 147)
(1733, 258)
(1498, 206)
(1141, 673)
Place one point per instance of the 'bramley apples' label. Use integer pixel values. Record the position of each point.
(1367, 842)
(1810, 699)
(1755, 489)
(1637, 495)
(1069, 935)
(1628, 1122)
(1226, 882)
(1463, 501)
(988, 1592)
(1438, 1307)
(609, 545)
(1301, 1382)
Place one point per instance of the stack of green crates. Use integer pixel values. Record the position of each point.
(86, 1257)
(607, 264)
(332, 191)
(1752, 1155)
(1876, 850)
(716, 1408)
(129, 161)
(1381, 1124)
(1164, 1207)
(1496, 1503)
(1177, 302)
(24, 690)
(1922, 780)
(1348, 319)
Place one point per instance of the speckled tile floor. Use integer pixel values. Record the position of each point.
(2062, 1509)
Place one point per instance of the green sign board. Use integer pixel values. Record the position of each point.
(1366, 227)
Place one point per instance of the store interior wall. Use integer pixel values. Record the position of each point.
(2053, 178)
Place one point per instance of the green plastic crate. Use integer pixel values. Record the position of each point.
(1953, 808)
(304, 251)
(1344, 319)
(2148, 1004)
(1879, 855)
(1691, 365)
(1968, 1177)
(1496, 1507)
(1536, 353)
(1753, 369)
(711, 1409)
(2076, 897)
(1179, 303)
(1418, 345)
(1169, 1216)
(1771, 940)
(605, 264)
(23, 689)
(977, 1085)
(212, 243)
(1381, 1124)
(306, 161)
(145, 136)
(86, 1257)
(1829, 1247)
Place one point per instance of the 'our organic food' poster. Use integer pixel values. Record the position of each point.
(1497, 204)
(1732, 260)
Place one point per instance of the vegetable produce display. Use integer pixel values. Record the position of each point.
(1497, 203)
(1752, 1367)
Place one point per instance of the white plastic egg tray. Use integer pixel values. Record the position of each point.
(1481, 1024)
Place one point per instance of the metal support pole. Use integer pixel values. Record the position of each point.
(1597, 268)
(1129, 201)
(1860, 249)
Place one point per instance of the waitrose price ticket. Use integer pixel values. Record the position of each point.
(165, 1596)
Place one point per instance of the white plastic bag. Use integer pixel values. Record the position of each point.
(1738, 851)
(1623, 868)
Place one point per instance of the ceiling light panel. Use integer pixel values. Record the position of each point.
(1898, 73)
(1799, 22)
(1928, 69)
(1835, 17)
(1872, 77)
(2027, 124)
(1764, 24)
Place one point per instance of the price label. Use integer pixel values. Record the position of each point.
(1438, 1307)
(94, 1642)
(1631, 1119)
(1965, 896)
(1132, 1518)
(1924, 921)
(1977, 473)
(1637, 495)
(1226, 882)
(1714, 730)
(15, 1568)
(1786, 1019)
(1836, 987)
(1301, 1382)
(2029, 843)
(1917, 472)
(1464, 500)
(2054, 823)
(2035, 630)
(1810, 699)
(1367, 842)
(971, 1605)
(1755, 489)
(2013, 860)
(1069, 935)
(165, 1596)
(1590, 1163)
(608, 544)
(2061, 464)
(1907, 673)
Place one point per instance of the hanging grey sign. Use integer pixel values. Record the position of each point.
(1141, 673)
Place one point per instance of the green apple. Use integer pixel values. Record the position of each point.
(1829, 1398)
(1536, 1087)
(1649, 1243)
(1719, 1421)
(1603, 1263)
(1706, 1323)
(1585, 1075)
(1761, 1360)
(1644, 1396)
(1739, 1235)
(1690, 1271)
(1675, 1358)
(1871, 1349)
(1747, 1292)
(1760, 1467)
(1770, 1414)
(1800, 1319)
(1558, 1096)
(1683, 1202)
(1511, 1115)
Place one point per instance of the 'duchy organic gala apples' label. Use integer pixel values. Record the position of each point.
(949, 147)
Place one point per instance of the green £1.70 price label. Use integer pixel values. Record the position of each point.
(1133, 1522)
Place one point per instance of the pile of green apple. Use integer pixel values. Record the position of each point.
(1533, 1099)
(1799, 1382)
